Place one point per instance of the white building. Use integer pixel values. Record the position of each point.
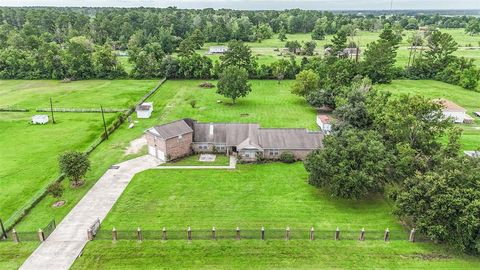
(218, 49)
(452, 110)
(473, 154)
(144, 110)
(323, 121)
(40, 119)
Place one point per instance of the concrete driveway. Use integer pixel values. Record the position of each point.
(66, 243)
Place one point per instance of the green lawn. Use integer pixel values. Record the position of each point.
(470, 100)
(273, 195)
(270, 104)
(29, 153)
(12, 255)
(193, 160)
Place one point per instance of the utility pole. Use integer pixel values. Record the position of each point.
(4, 233)
(104, 124)
(51, 110)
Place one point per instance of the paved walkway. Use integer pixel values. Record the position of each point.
(231, 166)
(66, 243)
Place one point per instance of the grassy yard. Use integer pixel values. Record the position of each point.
(270, 104)
(274, 195)
(470, 100)
(12, 255)
(29, 153)
(220, 160)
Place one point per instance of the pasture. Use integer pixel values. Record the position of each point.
(273, 195)
(29, 153)
(470, 100)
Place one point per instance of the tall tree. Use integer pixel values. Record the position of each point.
(74, 165)
(233, 83)
(79, 58)
(240, 55)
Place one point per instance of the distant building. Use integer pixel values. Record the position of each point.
(218, 49)
(144, 110)
(473, 154)
(323, 121)
(247, 141)
(452, 110)
(349, 52)
(40, 119)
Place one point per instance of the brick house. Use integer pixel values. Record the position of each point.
(247, 141)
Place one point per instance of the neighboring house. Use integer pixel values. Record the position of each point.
(40, 119)
(473, 154)
(247, 141)
(350, 52)
(217, 49)
(452, 110)
(144, 110)
(323, 121)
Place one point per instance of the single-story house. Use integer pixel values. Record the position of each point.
(247, 141)
(40, 119)
(452, 110)
(217, 49)
(144, 110)
(323, 121)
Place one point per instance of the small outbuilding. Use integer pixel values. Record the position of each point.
(452, 110)
(40, 119)
(144, 110)
(323, 121)
(218, 49)
(473, 154)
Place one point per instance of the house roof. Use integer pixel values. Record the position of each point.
(210, 133)
(172, 129)
(289, 138)
(145, 106)
(449, 106)
(248, 144)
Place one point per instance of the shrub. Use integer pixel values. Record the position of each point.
(193, 103)
(56, 190)
(287, 157)
(74, 165)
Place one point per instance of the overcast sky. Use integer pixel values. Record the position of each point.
(259, 4)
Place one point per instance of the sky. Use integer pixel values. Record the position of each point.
(260, 4)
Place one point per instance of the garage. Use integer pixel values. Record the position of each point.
(156, 153)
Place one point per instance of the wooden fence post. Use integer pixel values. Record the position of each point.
(164, 234)
(362, 235)
(312, 234)
(41, 235)
(337, 234)
(386, 236)
(287, 233)
(238, 233)
(89, 235)
(214, 233)
(411, 238)
(263, 233)
(114, 234)
(189, 234)
(15, 236)
(139, 234)
(2, 230)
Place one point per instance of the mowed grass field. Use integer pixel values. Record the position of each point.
(273, 195)
(29, 153)
(470, 100)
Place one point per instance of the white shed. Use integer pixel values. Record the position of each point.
(144, 110)
(452, 110)
(323, 121)
(218, 49)
(40, 119)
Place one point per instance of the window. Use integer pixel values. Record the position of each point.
(273, 152)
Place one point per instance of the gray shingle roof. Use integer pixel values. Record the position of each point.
(172, 129)
(202, 133)
(289, 138)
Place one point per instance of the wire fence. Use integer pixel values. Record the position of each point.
(30, 236)
(266, 234)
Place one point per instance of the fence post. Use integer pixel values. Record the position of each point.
(15, 236)
(386, 236)
(114, 234)
(189, 234)
(214, 233)
(411, 238)
(41, 235)
(238, 233)
(362, 235)
(139, 234)
(164, 234)
(263, 233)
(4, 233)
(312, 234)
(287, 233)
(89, 234)
(337, 234)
